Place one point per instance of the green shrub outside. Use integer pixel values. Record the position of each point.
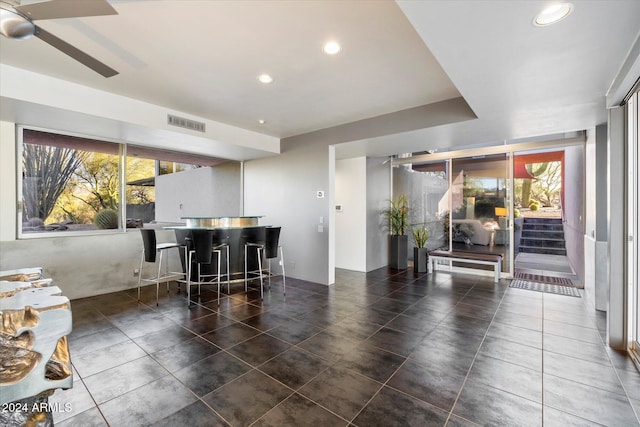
(106, 219)
(534, 205)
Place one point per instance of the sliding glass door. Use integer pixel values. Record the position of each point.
(481, 207)
(633, 221)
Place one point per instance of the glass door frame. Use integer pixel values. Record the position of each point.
(633, 225)
(507, 224)
(578, 138)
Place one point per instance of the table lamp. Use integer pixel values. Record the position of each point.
(501, 213)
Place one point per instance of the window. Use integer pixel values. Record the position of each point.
(68, 183)
(75, 184)
(143, 165)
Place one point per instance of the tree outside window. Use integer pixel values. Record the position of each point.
(72, 183)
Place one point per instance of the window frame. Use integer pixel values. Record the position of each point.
(20, 235)
(122, 152)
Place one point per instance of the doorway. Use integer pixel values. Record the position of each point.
(481, 188)
(548, 241)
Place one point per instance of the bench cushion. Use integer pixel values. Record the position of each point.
(467, 255)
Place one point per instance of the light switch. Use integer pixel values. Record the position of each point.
(321, 220)
(320, 229)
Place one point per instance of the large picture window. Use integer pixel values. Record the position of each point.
(69, 183)
(77, 184)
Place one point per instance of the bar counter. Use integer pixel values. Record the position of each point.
(234, 231)
(221, 221)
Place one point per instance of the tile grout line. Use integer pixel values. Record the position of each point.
(407, 359)
(464, 382)
(626, 395)
(384, 384)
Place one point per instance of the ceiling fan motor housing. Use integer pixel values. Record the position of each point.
(13, 24)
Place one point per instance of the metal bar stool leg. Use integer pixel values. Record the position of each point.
(158, 279)
(259, 252)
(219, 255)
(245, 269)
(284, 283)
(166, 269)
(228, 272)
(140, 273)
(189, 271)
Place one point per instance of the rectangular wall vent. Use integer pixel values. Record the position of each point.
(185, 123)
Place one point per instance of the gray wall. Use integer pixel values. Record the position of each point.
(83, 266)
(574, 202)
(209, 191)
(601, 182)
(284, 189)
(616, 336)
(601, 260)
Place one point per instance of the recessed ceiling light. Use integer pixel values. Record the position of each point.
(261, 121)
(265, 78)
(331, 48)
(553, 14)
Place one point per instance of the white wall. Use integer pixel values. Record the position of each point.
(210, 191)
(48, 102)
(351, 222)
(284, 189)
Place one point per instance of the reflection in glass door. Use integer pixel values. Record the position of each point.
(481, 206)
(426, 186)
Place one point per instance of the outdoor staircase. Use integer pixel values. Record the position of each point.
(543, 236)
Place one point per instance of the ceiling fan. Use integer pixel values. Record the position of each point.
(16, 22)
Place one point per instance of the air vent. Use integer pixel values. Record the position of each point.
(185, 123)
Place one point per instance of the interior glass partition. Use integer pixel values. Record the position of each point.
(481, 214)
(426, 186)
(464, 203)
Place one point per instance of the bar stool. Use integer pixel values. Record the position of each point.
(201, 253)
(183, 235)
(149, 252)
(269, 250)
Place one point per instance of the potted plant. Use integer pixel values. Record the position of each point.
(397, 216)
(420, 253)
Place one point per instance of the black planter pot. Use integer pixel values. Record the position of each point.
(398, 252)
(420, 260)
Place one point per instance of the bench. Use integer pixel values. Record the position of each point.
(494, 260)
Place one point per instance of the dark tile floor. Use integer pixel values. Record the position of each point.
(386, 348)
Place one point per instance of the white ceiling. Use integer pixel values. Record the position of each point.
(500, 77)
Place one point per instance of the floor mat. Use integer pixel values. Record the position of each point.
(543, 279)
(545, 287)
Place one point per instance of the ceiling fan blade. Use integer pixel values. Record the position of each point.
(75, 53)
(54, 9)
